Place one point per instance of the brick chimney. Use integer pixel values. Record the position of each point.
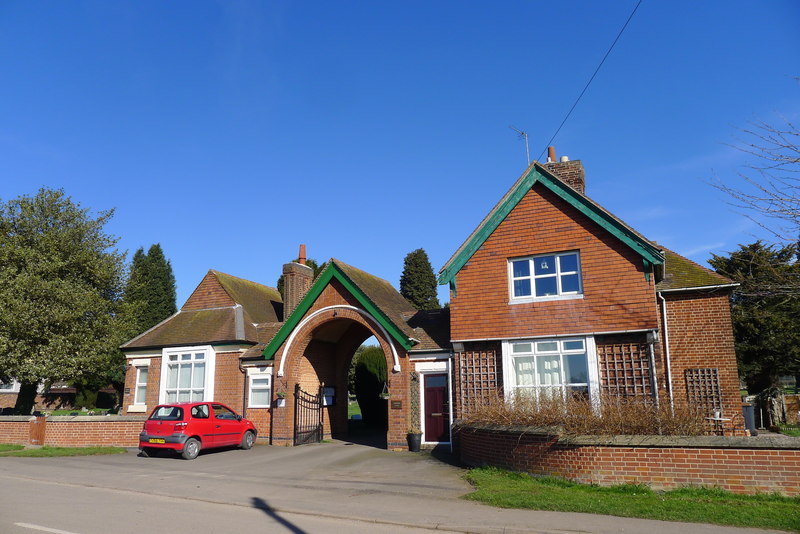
(570, 172)
(297, 278)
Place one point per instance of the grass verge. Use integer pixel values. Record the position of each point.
(505, 489)
(790, 430)
(50, 452)
(5, 447)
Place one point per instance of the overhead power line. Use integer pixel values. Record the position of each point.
(592, 78)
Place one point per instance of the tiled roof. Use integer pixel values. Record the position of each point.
(262, 303)
(196, 327)
(431, 328)
(682, 273)
(382, 294)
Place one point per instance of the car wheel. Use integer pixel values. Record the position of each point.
(146, 452)
(191, 449)
(248, 440)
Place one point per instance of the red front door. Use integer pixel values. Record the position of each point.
(437, 409)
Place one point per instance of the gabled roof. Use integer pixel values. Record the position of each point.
(375, 295)
(534, 174)
(252, 303)
(263, 303)
(683, 273)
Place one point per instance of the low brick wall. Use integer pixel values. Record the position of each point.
(737, 464)
(15, 429)
(75, 431)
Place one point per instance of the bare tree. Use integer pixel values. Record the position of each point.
(771, 189)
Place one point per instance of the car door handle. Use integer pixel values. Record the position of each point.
(219, 426)
(436, 414)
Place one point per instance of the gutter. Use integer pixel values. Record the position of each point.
(548, 336)
(700, 288)
(666, 350)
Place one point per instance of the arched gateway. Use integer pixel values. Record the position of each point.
(326, 323)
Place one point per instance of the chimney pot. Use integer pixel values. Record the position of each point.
(302, 255)
(551, 154)
(564, 159)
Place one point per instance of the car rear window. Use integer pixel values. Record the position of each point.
(167, 413)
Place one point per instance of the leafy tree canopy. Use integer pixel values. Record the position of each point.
(765, 311)
(61, 281)
(418, 283)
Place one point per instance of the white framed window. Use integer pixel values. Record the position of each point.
(9, 387)
(260, 391)
(552, 366)
(187, 374)
(140, 394)
(546, 276)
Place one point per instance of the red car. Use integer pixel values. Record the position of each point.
(191, 426)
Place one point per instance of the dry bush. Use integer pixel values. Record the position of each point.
(577, 416)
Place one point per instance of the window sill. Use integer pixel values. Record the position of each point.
(137, 408)
(529, 300)
(260, 406)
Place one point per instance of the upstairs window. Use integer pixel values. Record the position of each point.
(547, 276)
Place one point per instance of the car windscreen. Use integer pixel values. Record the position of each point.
(167, 413)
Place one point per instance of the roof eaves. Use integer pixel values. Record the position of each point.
(698, 288)
(149, 330)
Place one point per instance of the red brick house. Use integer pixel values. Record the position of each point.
(550, 291)
(553, 291)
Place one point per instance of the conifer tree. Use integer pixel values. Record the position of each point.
(765, 308)
(151, 287)
(418, 283)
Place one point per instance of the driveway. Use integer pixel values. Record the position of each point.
(337, 480)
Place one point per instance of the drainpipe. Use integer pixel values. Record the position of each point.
(651, 339)
(666, 350)
(244, 389)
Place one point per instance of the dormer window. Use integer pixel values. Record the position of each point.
(547, 276)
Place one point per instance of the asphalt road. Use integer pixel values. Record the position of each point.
(328, 487)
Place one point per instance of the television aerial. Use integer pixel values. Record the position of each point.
(523, 135)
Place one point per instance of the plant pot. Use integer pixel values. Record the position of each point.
(414, 442)
(280, 402)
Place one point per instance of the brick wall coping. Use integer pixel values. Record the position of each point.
(96, 418)
(76, 418)
(704, 442)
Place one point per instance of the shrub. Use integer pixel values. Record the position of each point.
(578, 416)
(370, 377)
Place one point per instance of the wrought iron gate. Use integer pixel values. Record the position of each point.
(308, 416)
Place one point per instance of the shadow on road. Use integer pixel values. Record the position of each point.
(262, 505)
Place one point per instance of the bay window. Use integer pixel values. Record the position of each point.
(187, 375)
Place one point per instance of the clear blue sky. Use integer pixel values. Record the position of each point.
(232, 131)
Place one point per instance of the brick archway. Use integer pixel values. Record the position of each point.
(318, 350)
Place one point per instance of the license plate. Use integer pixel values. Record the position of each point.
(156, 440)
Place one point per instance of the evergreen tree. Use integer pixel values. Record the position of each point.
(418, 283)
(765, 310)
(61, 281)
(151, 288)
